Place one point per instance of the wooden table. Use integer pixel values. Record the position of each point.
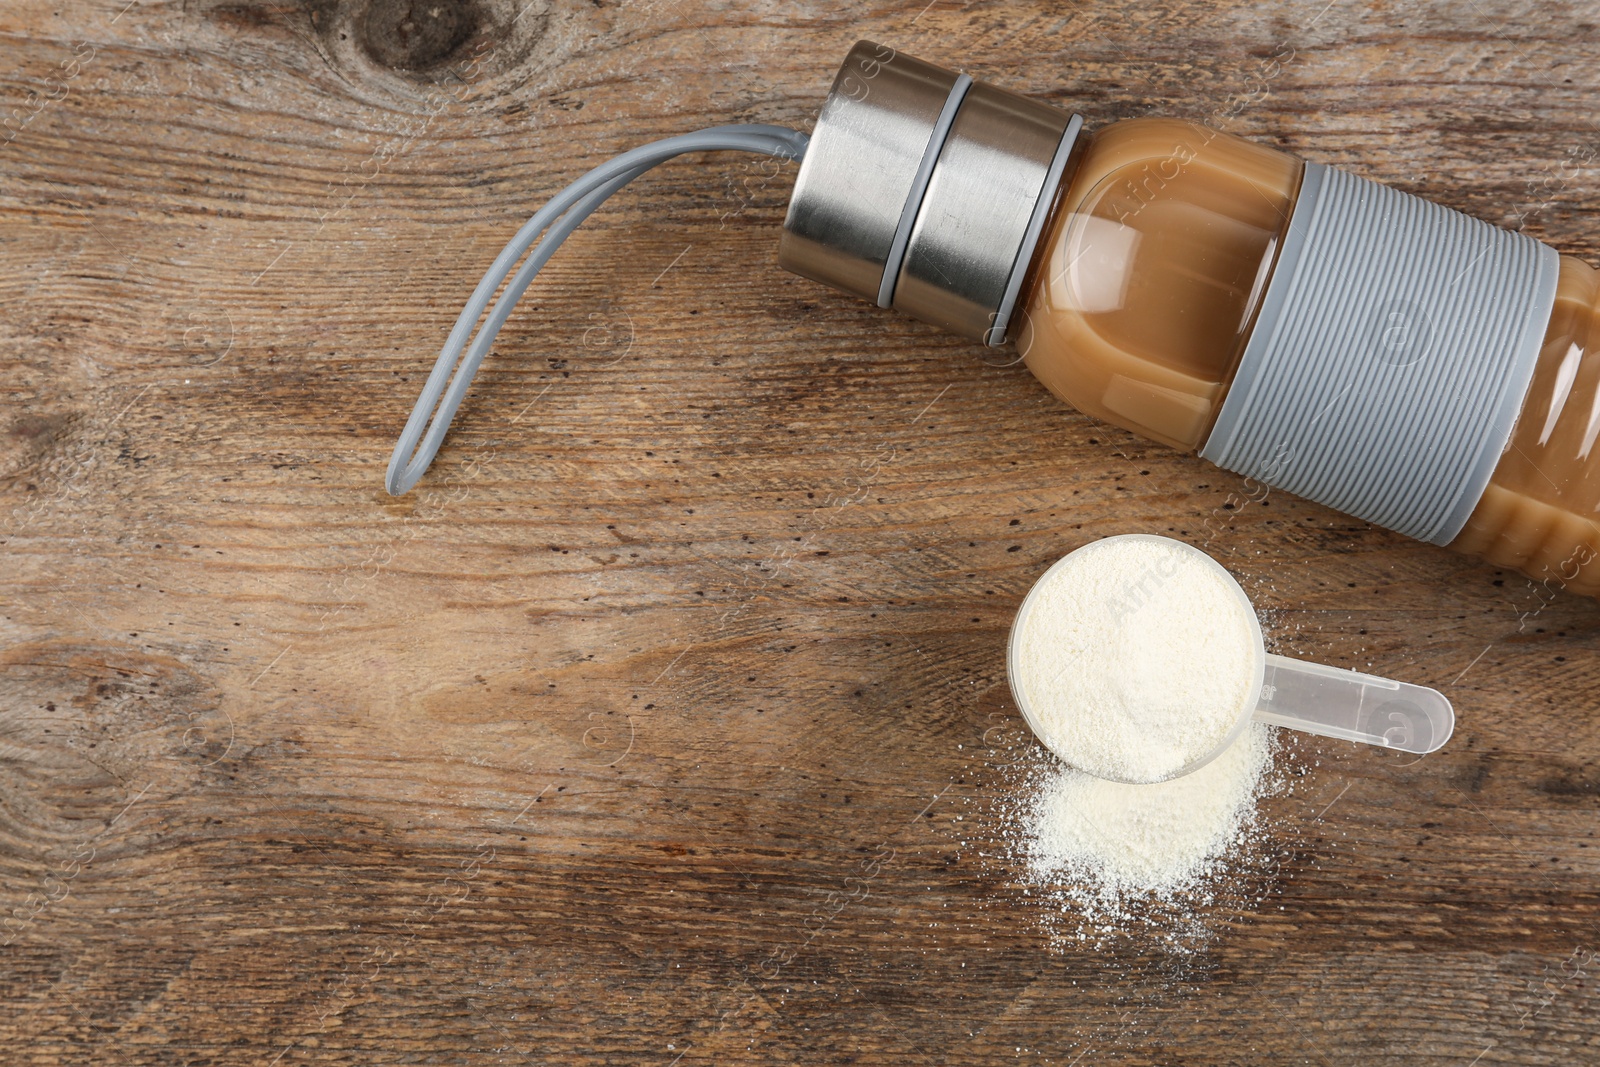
(666, 722)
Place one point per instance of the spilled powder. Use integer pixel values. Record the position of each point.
(1111, 860)
(1129, 839)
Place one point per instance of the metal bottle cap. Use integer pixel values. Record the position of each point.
(925, 191)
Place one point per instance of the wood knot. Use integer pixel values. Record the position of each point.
(419, 35)
(468, 49)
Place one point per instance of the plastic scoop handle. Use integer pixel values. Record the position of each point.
(1331, 702)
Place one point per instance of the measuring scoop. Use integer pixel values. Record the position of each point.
(1310, 697)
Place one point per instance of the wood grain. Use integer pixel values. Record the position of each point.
(666, 722)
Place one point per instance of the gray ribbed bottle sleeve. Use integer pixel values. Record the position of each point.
(1390, 357)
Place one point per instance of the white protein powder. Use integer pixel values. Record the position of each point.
(1134, 657)
(1126, 841)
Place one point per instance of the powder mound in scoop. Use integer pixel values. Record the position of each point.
(1134, 657)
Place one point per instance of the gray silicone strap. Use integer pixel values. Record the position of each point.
(452, 372)
(1391, 354)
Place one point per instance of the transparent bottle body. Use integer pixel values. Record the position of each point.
(1146, 287)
